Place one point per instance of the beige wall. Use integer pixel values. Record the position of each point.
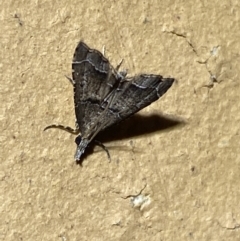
(191, 172)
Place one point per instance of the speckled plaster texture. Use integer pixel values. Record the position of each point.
(175, 169)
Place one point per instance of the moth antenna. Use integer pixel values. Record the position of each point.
(65, 128)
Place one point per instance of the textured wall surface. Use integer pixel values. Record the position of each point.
(178, 183)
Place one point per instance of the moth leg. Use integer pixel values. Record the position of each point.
(104, 148)
(103, 50)
(70, 80)
(65, 128)
(123, 73)
(76, 126)
(119, 65)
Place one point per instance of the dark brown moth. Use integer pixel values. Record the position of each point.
(103, 96)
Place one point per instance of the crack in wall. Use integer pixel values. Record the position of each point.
(213, 52)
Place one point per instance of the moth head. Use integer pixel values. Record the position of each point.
(81, 146)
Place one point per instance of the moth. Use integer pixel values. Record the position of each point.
(103, 96)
